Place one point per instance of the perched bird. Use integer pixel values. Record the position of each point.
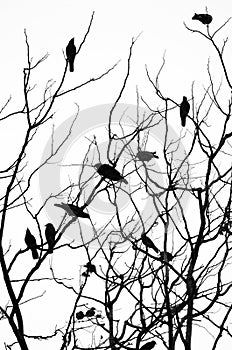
(85, 274)
(73, 210)
(90, 312)
(191, 286)
(71, 53)
(108, 172)
(148, 242)
(148, 346)
(50, 234)
(166, 255)
(203, 18)
(146, 156)
(78, 211)
(184, 109)
(31, 244)
(90, 267)
(80, 315)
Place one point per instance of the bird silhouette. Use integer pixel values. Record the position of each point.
(71, 53)
(184, 109)
(50, 234)
(191, 286)
(148, 242)
(31, 243)
(108, 172)
(166, 255)
(91, 268)
(90, 312)
(85, 274)
(73, 210)
(80, 315)
(203, 18)
(146, 156)
(78, 211)
(148, 346)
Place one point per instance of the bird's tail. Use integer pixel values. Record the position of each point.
(65, 207)
(62, 205)
(183, 122)
(34, 253)
(71, 66)
(50, 250)
(155, 248)
(125, 181)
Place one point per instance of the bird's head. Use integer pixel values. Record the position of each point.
(48, 225)
(97, 166)
(155, 155)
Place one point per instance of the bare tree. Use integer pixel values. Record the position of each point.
(158, 275)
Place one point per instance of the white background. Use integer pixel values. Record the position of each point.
(51, 24)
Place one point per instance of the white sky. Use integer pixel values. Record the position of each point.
(51, 24)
